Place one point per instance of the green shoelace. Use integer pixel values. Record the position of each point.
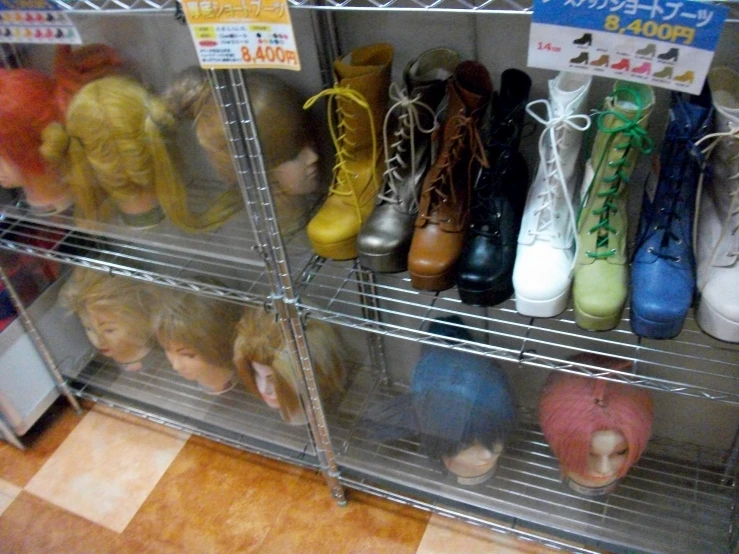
(636, 137)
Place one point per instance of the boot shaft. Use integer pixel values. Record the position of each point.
(447, 186)
(549, 215)
(717, 235)
(365, 70)
(568, 95)
(503, 132)
(725, 156)
(410, 123)
(668, 210)
(620, 140)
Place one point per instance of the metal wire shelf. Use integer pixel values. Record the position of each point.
(224, 264)
(678, 498)
(444, 6)
(156, 392)
(692, 364)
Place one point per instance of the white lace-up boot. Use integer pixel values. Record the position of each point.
(717, 230)
(542, 274)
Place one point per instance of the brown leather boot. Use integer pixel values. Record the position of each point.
(443, 215)
(356, 107)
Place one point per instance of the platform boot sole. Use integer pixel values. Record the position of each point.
(392, 262)
(488, 297)
(715, 324)
(651, 329)
(591, 322)
(543, 308)
(343, 250)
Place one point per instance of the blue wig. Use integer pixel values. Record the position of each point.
(456, 400)
(459, 398)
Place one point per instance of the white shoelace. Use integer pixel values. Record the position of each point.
(410, 120)
(554, 174)
(732, 133)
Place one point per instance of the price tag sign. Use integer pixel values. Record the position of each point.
(664, 43)
(249, 34)
(36, 22)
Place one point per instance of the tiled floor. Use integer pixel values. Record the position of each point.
(108, 482)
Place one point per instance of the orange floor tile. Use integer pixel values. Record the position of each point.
(106, 482)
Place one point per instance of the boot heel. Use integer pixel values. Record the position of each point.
(440, 282)
(596, 323)
(344, 250)
(655, 329)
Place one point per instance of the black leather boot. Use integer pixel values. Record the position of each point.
(586, 39)
(485, 271)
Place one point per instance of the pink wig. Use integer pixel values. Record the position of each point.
(573, 407)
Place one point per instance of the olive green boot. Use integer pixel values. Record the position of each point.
(601, 281)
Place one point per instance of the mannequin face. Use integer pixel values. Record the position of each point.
(10, 174)
(473, 461)
(608, 453)
(265, 379)
(115, 337)
(299, 175)
(188, 362)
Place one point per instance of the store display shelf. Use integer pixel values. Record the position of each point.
(445, 6)
(678, 498)
(692, 364)
(223, 264)
(157, 393)
(125, 6)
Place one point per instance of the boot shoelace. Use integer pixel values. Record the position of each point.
(553, 134)
(726, 229)
(669, 213)
(442, 189)
(637, 138)
(485, 221)
(340, 185)
(504, 137)
(408, 122)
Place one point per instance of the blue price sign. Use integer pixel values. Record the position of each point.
(665, 43)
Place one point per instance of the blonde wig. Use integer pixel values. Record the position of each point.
(88, 291)
(116, 143)
(259, 339)
(205, 324)
(283, 126)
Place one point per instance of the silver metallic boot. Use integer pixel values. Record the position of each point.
(385, 238)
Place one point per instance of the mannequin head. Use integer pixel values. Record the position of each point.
(27, 107)
(290, 155)
(596, 428)
(74, 68)
(197, 334)
(264, 362)
(115, 145)
(463, 407)
(29, 102)
(114, 312)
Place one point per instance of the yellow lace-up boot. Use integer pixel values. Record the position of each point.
(356, 107)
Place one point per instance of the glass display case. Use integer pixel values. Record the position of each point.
(349, 337)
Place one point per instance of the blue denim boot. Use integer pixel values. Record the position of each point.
(663, 270)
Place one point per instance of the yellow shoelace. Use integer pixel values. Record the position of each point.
(340, 182)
